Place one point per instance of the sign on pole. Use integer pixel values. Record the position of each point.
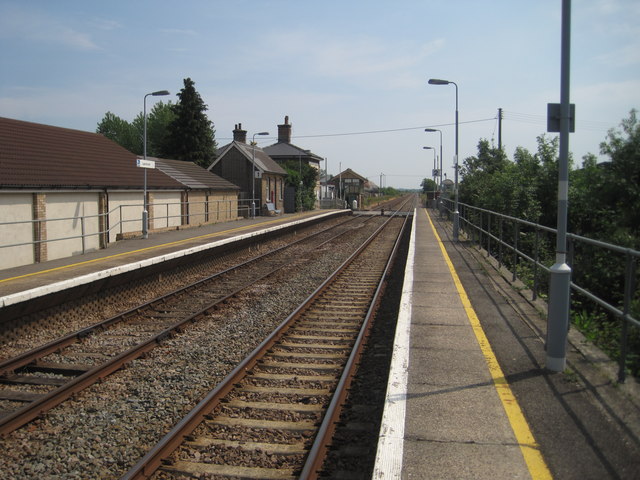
(145, 163)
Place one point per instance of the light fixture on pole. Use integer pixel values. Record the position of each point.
(145, 211)
(253, 173)
(456, 213)
(432, 172)
(440, 166)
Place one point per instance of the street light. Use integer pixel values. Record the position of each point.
(253, 173)
(432, 173)
(145, 211)
(456, 214)
(440, 172)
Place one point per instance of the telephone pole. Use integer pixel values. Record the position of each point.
(500, 129)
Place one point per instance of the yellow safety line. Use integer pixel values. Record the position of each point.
(215, 234)
(528, 445)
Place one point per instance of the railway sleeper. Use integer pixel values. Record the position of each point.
(191, 469)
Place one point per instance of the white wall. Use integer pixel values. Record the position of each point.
(125, 213)
(16, 207)
(63, 206)
(163, 205)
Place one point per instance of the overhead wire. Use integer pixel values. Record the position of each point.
(390, 130)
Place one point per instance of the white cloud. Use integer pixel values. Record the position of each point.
(34, 26)
(626, 56)
(354, 58)
(179, 31)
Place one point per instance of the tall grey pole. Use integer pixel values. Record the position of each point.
(456, 212)
(560, 276)
(145, 212)
(253, 177)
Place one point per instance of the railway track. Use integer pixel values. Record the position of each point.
(44, 377)
(274, 415)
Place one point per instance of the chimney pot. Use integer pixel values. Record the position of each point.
(239, 135)
(284, 131)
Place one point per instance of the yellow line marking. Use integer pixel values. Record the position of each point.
(528, 446)
(86, 262)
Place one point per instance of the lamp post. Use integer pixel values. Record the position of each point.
(439, 203)
(253, 173)
(145, 211)
(456, 213)
(434, 165)
(560, 272)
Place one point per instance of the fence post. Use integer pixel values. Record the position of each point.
(488, 234)
(500, 243)
(82, 230)
(629, 287)
(535, 265)
(516, 236)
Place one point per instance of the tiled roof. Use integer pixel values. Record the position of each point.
(263, 161)
(192, 175)
(33, 155)
(348, 173)
(283, 150)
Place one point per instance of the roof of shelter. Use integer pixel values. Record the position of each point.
(34, 155)
(192, 176)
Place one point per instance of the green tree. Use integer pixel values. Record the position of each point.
(158, 121)
(191, 135)
(428, 185)
(303, 177)
(479, 175)
(623, 189)
(130, 135)
(120, 131)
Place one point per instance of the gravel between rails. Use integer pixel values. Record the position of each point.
(89, 310)
(105, 429)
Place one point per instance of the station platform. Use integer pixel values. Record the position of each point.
(468, 395)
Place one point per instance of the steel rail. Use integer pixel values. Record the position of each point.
(313, 465)
(21, 360)
(148, 464)
(32, 410)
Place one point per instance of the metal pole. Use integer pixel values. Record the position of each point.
(145, 212)
(253, 177)
(560, 276)
(456, 213)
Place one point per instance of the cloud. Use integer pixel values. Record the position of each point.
(179, 31)
(359, 59)
(34, 26)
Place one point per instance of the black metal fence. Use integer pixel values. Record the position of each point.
(527, 250)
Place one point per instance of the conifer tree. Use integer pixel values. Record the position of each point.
(191, 135)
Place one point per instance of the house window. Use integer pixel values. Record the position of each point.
(281, 189)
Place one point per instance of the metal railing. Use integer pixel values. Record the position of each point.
(526, 248)
(223, 210)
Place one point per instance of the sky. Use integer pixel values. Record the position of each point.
(351, 75)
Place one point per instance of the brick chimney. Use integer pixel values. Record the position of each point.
(239, 135)
(284, 131)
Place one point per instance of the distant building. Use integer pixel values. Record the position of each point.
(284, 150)
(349, 186)
(242, 164)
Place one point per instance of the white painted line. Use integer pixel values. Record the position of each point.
(388, 464)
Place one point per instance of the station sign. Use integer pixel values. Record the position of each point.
(145, 163)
